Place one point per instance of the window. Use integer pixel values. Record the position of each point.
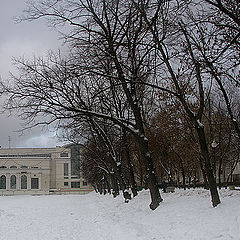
(3, 182)
(75, 184)
(24, 167)
(23, 182)
(13, 182)
(64, 154)
(65, 184)
(34, 183)
(84, 183)
(13, 167)
(236, 177)
(65, 169)
(34, 167)
(3, 167)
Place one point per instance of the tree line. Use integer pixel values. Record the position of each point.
(149, 88)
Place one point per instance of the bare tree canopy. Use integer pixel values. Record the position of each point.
(127, 61)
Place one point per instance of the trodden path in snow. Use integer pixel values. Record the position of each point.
(184, 215)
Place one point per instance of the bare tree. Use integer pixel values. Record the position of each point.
(107, 56)
(125, 56)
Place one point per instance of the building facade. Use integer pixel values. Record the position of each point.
(236, 174)
(41, 171)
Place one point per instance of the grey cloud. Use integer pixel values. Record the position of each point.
(16, 40)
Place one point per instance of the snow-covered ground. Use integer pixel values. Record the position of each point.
(184, 215)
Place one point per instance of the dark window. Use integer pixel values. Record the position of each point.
(75, 159)
(236, 178)
(34, 183)
(64, 154)
(75, 184)
(66, 184)
(3, 167)
(13, 167)
(24, 167)
(84, 183)
(34, 167)
(65, 169)
(23, 182)
(3, 182)
(13, 182)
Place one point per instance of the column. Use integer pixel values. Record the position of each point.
(8, 181)
(28, 181)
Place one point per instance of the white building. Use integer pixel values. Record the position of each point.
(41, 171)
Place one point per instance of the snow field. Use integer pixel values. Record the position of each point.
(183, 215)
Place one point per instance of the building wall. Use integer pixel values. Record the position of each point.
(236, 173)
(44, 166)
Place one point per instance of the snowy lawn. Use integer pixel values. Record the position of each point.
(184, 215)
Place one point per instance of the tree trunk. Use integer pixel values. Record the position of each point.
(182, 168)
(112, 156)
(195, 179)
(130, 166)
(208, 167)
(131, 173)
(99, 188)
(183, 176)
(189, 181)
(150, 174)
(114, 185)
(219, 174)
(206, 186)
(107, 184)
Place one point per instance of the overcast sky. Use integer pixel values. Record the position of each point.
(25, 39)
